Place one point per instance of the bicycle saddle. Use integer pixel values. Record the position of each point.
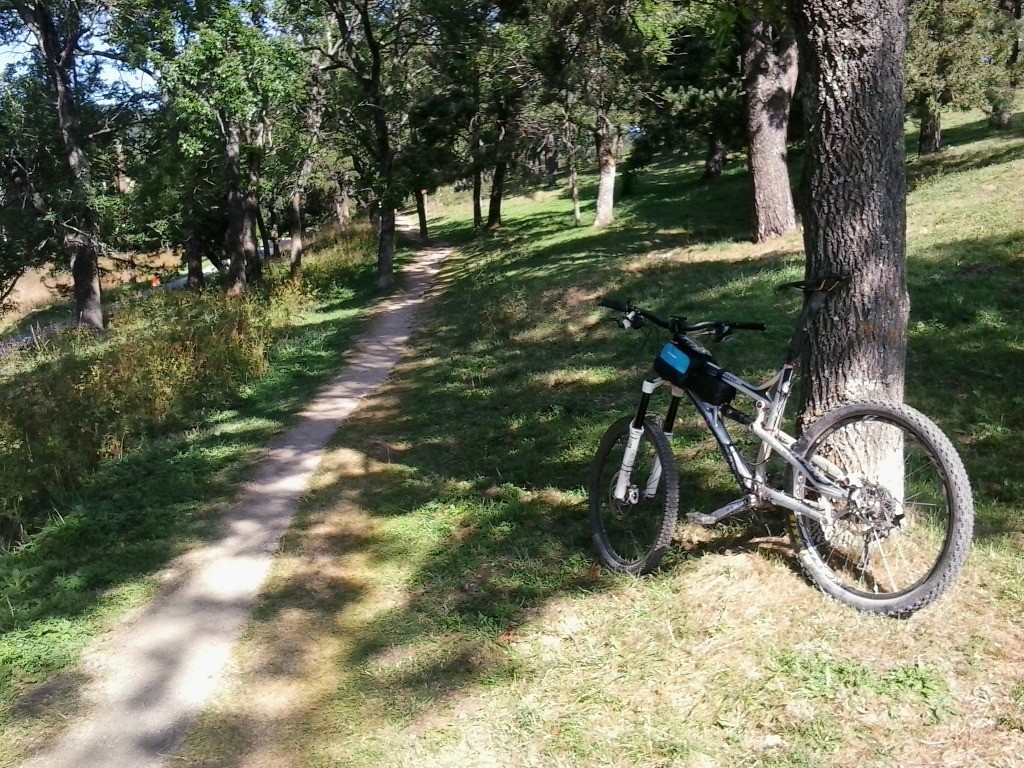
(824, 284)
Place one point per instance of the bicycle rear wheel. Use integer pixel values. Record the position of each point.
(902, 537)
(632, 534)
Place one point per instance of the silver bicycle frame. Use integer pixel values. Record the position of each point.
(770, 401)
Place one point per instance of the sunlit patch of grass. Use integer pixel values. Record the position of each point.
(95, 545)
(482, 632)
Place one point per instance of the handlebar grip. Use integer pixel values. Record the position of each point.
(618, 306)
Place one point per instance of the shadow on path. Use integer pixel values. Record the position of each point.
(148, 679)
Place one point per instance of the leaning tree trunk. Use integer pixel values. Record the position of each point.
(855, 214)
(497, 193)
(603, 133)
(769, 80)
(80, 236)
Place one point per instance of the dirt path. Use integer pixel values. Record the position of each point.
(149, 678)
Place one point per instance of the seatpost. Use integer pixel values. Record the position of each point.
(812, 306)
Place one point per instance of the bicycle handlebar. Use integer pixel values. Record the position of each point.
(719, 329)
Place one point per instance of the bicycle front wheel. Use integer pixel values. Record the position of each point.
(899, 540)
(632, 532)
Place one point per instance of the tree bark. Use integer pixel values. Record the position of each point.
(855, 213)
(606, 164)
(236, 234)
(929, 139)
(295, 222)
(769, 80)
(714, 163)
(194, 262)
(386, 247)
(342, 202)
(478, 192)
(497, 193)
(80, 240)
(421, 214)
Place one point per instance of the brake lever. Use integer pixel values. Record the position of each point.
(721, 334)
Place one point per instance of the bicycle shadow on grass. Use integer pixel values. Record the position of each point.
(465, 483)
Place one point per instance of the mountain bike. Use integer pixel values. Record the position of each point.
(877, 500)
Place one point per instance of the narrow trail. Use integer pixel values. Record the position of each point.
(149, 678)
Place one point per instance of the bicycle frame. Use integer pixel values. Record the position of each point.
(770, 401)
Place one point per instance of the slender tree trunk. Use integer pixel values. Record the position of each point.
(855, 215)
(1002, 99)
(478, 191)
(386, 247)
(80, 237)
(314, 122)
(569, 142)
(929, 140)
(250, 227)
(342, 202)
(497, 193)
(236, 235)
(769, 80)
(295, 220)
(265, 235)
(574, 192)
(606, 165)
(714, 163)
(421, 214)
(194, 261)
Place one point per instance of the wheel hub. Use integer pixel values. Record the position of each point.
(874, 507)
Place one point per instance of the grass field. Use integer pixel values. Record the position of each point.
(438, 602)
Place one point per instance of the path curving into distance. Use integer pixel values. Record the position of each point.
(149, 678)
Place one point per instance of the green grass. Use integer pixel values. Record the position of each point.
(103, 542)
(438, 602)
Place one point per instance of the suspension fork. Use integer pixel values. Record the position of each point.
(636, 431)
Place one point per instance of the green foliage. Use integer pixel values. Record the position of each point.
(956, 51)
(167, 359)
(76, 403)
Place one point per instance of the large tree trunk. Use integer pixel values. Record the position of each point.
(769, 80)
(855, 214)
(79, 237)
(606, 141)
(497, 193)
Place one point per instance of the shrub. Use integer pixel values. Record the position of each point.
(167, 357)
